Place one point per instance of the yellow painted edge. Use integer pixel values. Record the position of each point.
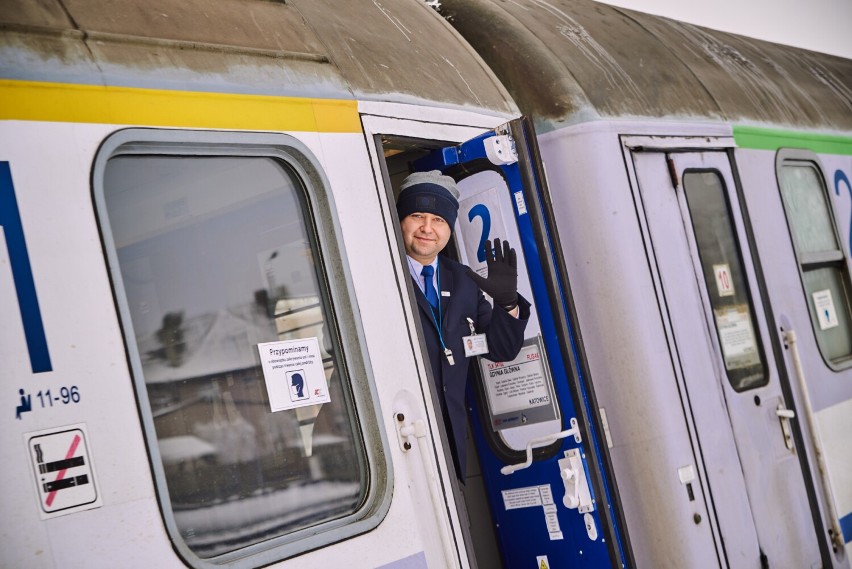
(61, 102)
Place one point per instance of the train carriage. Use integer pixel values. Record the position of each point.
(699, 186)
(212, 349)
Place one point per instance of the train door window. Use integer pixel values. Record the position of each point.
(236, 347)
(725, 281)
(821, 259)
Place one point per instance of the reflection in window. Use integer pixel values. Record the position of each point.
(821, 259)
(725, 280)
(216, 256)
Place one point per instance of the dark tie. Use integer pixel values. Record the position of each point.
(429, 288)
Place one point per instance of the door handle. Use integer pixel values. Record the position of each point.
(784, 416)
(540, 442)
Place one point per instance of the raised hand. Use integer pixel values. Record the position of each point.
(502, 281)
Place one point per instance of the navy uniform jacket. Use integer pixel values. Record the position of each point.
(505, 335)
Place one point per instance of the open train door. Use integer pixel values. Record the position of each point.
(544, 471)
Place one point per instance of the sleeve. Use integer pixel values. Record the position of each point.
(505, 332)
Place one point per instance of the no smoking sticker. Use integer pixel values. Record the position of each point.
(63, 470)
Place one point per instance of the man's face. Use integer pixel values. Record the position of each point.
(424, 236)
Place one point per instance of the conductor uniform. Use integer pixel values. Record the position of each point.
(457, 305)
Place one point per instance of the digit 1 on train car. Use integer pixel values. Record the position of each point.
(545, 473)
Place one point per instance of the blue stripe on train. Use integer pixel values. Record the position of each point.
(846, 527)
(22, 274)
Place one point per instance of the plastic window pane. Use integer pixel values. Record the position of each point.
(216, 255)
(725, 280)
(828, 301)
(807, 209)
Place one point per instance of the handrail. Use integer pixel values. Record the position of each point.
(539, 442)
(813, 428)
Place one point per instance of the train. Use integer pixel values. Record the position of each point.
(211, 350)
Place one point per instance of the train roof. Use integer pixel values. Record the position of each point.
(588, 60)
(393, 50)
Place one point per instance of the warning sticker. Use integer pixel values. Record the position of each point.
(64, 474)
(542, 562)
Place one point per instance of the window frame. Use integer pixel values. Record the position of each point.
(342, 313)
(767, 377)
(785, 157)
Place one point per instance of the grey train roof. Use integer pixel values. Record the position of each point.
(588, 60)
(393, 50)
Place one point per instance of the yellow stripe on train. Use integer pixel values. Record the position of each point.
(61, 102)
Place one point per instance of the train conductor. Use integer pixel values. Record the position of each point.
(457, 321)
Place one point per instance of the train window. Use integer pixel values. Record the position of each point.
(216, 254)
(725, 280)
(821, 259)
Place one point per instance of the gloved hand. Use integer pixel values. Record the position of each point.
(502, 281)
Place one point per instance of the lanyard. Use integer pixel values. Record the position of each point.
(438, 320)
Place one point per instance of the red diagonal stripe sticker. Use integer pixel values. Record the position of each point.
(61, 474)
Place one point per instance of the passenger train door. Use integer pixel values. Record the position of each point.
(721, 344)
(541, 467)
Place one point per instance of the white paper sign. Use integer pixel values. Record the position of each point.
(737, 337)
(294, 374)
(824, 306)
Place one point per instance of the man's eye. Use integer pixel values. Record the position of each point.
(439, 220)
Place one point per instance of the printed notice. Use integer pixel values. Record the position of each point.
(824, 306)
(521, 498)
(532, 496)
(518, 384)
(294, 374)
(737, 337)
(520, 392)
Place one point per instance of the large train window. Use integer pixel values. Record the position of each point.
(724, 278)
(236, 339)
(821, 259)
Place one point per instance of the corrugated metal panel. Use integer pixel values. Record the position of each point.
(567, 60)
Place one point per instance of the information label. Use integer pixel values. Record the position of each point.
(737, 337)
(64, 474)
(532, 496)
(520, 391)
(293, 372)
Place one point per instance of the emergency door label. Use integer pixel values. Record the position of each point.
(294, 374)
(64, 475)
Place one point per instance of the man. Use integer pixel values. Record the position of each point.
(453, 310)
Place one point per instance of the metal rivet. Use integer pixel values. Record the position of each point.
(697, 519)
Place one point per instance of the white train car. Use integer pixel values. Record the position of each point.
(211, 345)
(700, 188)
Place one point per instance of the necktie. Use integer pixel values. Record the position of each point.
(429, 288)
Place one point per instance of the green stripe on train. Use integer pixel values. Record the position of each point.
(771, 139)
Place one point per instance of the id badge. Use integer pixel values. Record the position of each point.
(475, 345)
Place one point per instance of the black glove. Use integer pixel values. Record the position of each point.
(502, 281)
